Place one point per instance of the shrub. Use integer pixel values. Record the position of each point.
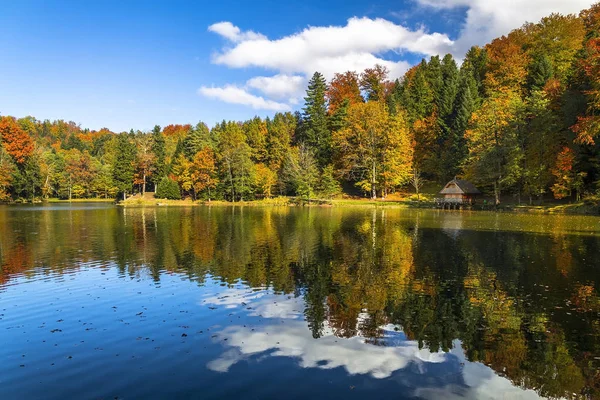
(168, 189)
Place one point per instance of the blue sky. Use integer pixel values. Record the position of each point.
(134, 64)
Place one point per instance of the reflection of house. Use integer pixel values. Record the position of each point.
(458, 192)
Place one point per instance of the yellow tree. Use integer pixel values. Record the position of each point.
(373, 143)
(265, 179)
(203, 171)
(181, 173)
(507, 64)
(397, 153)
(559, 37)
(588, 126)
(494, 151)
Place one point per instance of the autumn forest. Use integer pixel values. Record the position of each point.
(518, 117)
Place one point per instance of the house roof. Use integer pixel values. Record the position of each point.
(459, 186)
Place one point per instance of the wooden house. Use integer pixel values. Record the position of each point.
(458, 191)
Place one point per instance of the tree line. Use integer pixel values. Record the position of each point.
(518, 117)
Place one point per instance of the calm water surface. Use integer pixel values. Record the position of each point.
(213, 303)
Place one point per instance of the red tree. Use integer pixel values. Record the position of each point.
(16, 141)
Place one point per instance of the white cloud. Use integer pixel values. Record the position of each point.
(280, 86)
(488, 19)
(331, 49)
(236, 95)
(233, 33)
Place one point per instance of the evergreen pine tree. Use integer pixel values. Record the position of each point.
(315, 132)
(449, 89)
(465, 105)
(540, 70)
(123, 167)
(434, 76)
(195, 140)
(337, 120)
(168, 189)
(178, 150)
(416, 94)
(329, 186)
(476, 60)
(159, 150)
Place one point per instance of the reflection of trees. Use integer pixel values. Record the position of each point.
(525, 304)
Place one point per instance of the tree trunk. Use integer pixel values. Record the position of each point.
(373, 191)
(497, 192)
(231, 181)
(46, 186)
(144, 184)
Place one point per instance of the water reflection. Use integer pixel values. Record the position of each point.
(284, 334)
(460, 304)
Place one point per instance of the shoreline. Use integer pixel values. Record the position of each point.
(580, 208)
(591, 208)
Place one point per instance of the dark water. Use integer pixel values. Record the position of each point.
(212, 303)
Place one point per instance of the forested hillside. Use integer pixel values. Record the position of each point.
(519, 117)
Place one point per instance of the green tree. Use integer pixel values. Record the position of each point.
(301, 171)
(417, 95)
(494, 150)
(256, 132)
(540, 140)
(315, 133)
(455, 150)
(280, 132)
(195, 140)
(123, 168)
(168, 189)
(328, 186)
(338, 118)
(540, 70)
(236, 165)
(449, 90)
(160, 166)
(476, 61)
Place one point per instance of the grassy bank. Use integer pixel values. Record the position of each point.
(590, 206)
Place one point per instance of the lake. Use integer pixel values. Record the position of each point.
(102, 302)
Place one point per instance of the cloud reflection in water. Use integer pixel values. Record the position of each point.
(283, 332)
